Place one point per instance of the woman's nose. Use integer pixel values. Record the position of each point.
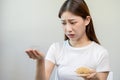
(68, 28)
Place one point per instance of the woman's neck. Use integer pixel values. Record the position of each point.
(80, 43)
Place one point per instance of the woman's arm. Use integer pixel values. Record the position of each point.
(49, 66)
(97, 76)
(102, 75)
(93, 75)
(43, 68)
(40, 70)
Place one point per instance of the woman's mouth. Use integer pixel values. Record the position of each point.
(71, 35)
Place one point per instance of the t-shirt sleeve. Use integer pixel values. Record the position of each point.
(103, 62)
(51, 53)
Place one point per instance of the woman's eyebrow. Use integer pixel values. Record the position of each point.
(71, 19)
(68, 20)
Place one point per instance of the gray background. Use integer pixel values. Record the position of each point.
(34, 24)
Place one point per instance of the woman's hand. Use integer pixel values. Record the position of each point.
(35, 54)
(91, 76)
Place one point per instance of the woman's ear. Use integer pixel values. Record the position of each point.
(87, 20)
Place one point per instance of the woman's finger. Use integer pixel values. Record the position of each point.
(37, 54)
(30, 53)
(42, 54)
(92, 74)
(34, 54)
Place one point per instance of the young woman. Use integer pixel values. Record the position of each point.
(80, 48)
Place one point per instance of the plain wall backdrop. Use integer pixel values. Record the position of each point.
(35, 24)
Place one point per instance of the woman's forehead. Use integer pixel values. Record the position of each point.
(69, 16)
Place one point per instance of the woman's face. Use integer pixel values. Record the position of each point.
(74, 26)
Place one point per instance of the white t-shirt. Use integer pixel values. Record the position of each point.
(68, 59)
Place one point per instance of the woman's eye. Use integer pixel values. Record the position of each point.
(72, 22)
(63, 23)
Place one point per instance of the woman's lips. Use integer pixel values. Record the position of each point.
(71, 35)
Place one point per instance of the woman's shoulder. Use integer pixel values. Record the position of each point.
(100, 48)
